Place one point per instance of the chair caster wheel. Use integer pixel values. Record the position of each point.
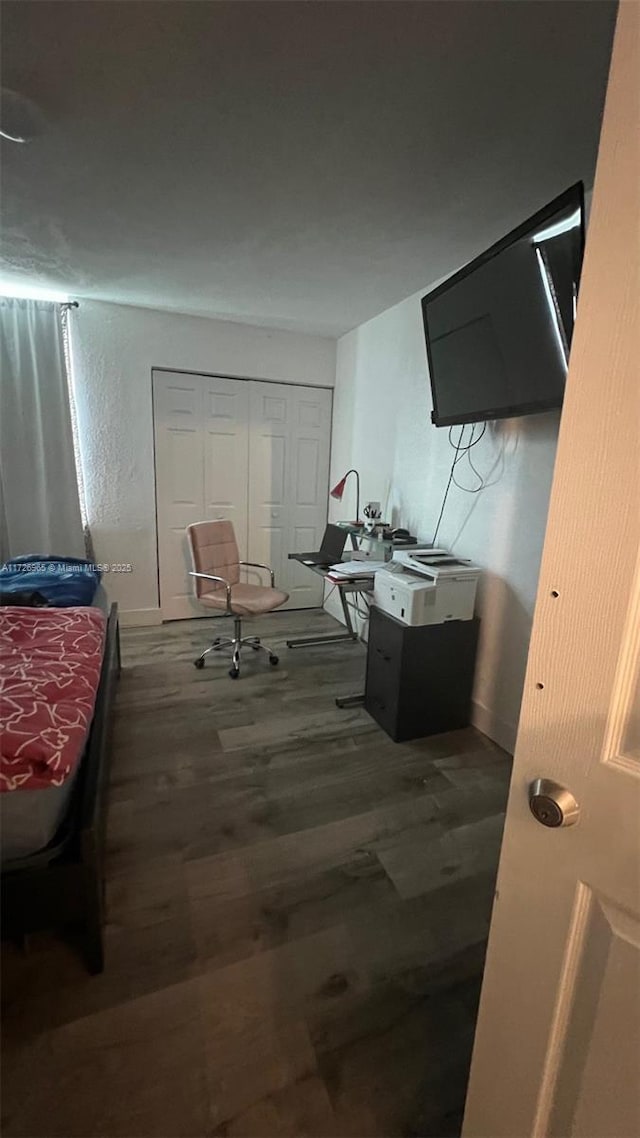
(234, 673)
(256, 647)
(198, 663)
(273, 660)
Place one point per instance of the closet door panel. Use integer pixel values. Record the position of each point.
(201, 440)
(269, 459)
(288, 482)
(177, 406)
(226, 453)
(307, 464)
(309, 488)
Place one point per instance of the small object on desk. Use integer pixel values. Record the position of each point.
(373, 514)
(398, 537)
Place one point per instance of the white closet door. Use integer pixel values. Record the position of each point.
(290, 430)
(177, 409)
(269, 457)
(201, 442)
(225, 418)
(309, 490)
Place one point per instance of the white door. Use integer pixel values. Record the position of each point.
(290, 430)
(201, 444)
(225, 419)
(557, 1049)
(254, 453)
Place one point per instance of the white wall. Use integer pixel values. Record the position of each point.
(382, 426)
(114, 350)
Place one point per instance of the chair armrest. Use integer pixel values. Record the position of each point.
(257, 565)
(211, 577)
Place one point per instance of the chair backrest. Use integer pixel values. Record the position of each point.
(213, 550)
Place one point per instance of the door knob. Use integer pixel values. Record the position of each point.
(551, 804)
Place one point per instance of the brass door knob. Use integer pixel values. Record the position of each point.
(551, 804)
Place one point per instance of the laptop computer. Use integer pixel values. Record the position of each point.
(331, 548)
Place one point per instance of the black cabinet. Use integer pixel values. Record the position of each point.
(419, 679)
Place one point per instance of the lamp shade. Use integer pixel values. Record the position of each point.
(338, 490)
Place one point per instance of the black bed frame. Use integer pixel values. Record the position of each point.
(63, 884)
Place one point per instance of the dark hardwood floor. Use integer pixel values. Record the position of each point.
(297, 913)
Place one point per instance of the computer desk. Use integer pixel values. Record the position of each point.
(344, 588)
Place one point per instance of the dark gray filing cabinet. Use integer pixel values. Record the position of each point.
(419, 679)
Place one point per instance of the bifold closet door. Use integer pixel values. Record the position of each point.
(289, 442)
(201, 440)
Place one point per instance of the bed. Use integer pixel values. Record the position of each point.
(58, 676)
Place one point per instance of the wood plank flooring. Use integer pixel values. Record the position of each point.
(297, 913)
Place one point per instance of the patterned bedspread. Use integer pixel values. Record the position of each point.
(50, 660)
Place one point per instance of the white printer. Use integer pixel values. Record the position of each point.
(426, 586)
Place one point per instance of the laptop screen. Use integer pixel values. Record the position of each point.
(333, 542)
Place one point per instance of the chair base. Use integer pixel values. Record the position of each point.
(235, 643)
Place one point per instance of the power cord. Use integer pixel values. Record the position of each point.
(465, 452)
(446, 493)
(460, 453)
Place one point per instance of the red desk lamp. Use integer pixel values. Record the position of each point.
(338, 491)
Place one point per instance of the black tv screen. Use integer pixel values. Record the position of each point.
(499, 331)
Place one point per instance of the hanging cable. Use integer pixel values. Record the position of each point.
(465, 452)
(446, 493)
(462, 450)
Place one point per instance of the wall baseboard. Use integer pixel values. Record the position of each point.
(502, 732)
(139, 618)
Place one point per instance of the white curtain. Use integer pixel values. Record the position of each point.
(39, 502)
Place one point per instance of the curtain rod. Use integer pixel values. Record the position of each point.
(69, 304)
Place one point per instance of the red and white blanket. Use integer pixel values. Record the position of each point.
(50, 661)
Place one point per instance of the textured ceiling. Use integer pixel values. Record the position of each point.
(302, 165)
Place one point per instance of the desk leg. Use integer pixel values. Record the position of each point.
(309, 641)
(350, 700)
(343, 701)
(337, 638)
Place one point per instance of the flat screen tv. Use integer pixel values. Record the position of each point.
(499, 331)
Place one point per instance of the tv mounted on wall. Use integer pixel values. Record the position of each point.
(498, 332)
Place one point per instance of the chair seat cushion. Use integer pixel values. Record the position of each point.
(246, 600)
